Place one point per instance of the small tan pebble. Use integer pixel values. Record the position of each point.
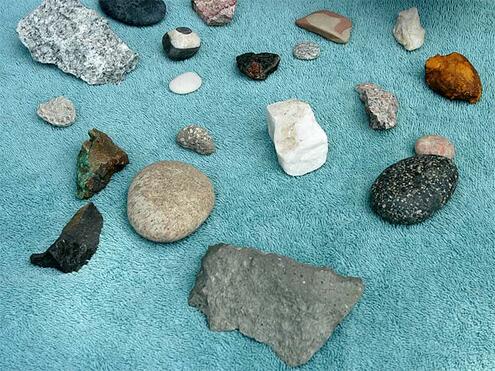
(59, 111)
(435, 145)
(197, 139)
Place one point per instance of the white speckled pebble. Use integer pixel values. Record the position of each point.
(306, 51)
(186, 83)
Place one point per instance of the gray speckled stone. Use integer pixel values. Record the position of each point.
(381, 106)
(197, 139)
(77, 40)
(306, 51)
(58, 111)
(169, 200)
(412, 190)
(292, 307)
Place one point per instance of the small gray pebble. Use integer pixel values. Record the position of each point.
(197, 139)
(59, 111)
(306, 50)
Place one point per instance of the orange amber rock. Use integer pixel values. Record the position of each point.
(454, 77)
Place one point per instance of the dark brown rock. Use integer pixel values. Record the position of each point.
(98, 160)
(77, 243)
(258, 66)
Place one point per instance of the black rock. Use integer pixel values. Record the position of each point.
(181, 43)
(292, 307)
(135, 12)
(411, 190)
(257, 66)
(77, 243)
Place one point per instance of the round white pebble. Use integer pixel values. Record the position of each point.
(185, 83)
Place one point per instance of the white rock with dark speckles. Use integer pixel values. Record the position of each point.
(197, 139)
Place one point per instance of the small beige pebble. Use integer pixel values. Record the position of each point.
(59, 111)
(435, 145)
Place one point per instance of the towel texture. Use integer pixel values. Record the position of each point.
(429, 301)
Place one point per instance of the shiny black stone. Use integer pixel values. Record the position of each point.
(77, 243)
(135, 12)
(412, 190)
(257, 66)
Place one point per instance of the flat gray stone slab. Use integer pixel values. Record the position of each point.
(292, 307)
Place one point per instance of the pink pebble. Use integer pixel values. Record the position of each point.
(435, 145)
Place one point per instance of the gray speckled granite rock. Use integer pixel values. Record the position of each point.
(197, 139)
(411, 190)
(290, 306)
(77, 40)
(381, 106)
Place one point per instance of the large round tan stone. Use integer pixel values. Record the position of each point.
(169, 200)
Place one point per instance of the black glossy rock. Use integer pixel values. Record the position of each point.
(411, 190)
(135, 12)
(77, 243)
(181, 43)
(257, 66)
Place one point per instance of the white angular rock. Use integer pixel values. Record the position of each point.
(185, 83)
(300, 142)
(408, 31)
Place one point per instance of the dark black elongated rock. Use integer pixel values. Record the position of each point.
(77, 243)
(412, 190)
(135, 12)
(257, 66)
(181, 43)
(290, 306)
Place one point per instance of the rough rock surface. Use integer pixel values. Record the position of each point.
(412, 190)
(381, 106)
(181, 43)
(97, 161)
(257, 66)
(185, 83)
(77, 40)
(135, 12)
(330, 25)
(300, 143)
(408, 30)
(454, 77)
(292, 307)
(77, 243)
(215, 12)
(306, 51)
(197, 139)
(59, 111)
(169, 200)
(435, 145)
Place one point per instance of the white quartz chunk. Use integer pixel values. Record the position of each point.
(408, 31)
(300, 143)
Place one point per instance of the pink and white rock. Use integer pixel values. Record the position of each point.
(300, 142)
(381, 106)
(435, 145)
(330, 25)
(215, 12)
(408, 30)
(186, 83)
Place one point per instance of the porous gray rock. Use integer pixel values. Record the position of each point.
(77, 40)
(58, 111)
(169, 200)
(381, 106)
(306, 50)
(197, 139)
(292, 307)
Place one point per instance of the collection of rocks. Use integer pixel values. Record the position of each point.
(58, 111)
(381, 106)
(300, 142)
(292, 307)
(169, 200)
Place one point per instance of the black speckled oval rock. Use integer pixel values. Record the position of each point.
(411, 190)
(135, 12)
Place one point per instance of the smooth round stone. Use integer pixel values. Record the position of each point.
(435, 145)
(169, 200)
(186, 83)
(306, 51)
(181, 43)
(412, 190)
(135, 12)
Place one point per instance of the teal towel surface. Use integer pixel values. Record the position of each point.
(429, 301)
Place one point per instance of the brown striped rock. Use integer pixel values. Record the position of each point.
(454, 77)
(330, 25)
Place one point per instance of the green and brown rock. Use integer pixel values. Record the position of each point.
(97, 161)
